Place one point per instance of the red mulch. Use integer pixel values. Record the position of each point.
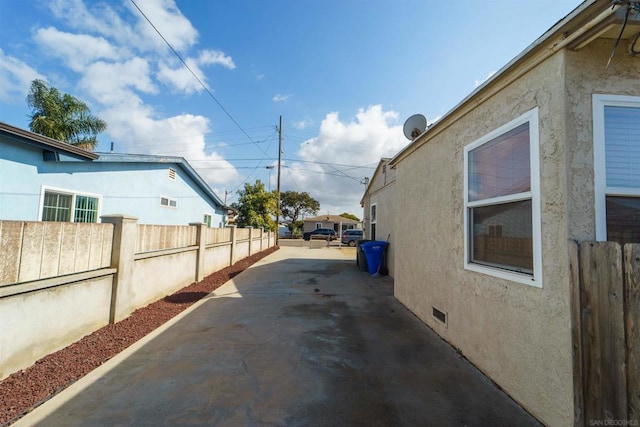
(22, 391)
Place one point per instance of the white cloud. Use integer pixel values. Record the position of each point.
(478, 82)
(180, 78)
(175, 74)
(281, 98)
(117, 57)
(15, 78)
(135, 131)
(102, 20)
(77, 50)
(209, 57)
(302, 124)
(169, 21)
(113, 84)
(343, 154)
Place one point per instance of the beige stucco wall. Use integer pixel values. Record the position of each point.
(381, 193)
(519, 335)
(586, 75)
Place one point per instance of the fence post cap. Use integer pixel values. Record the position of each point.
(118, 217)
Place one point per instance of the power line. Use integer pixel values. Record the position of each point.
(206, 89)
(245, 180)
(340, 175)
(196, 149)
(293, 179)
(349, 167)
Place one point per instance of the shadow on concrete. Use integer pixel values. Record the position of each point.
(185, 297)
(301, 338)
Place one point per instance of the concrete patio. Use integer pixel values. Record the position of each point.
(301, 338)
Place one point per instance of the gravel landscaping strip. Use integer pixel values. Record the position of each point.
(24, 390)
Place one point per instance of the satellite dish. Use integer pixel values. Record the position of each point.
(414, 126)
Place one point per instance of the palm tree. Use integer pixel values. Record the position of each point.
(62, 116)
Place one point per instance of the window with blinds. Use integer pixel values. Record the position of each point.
(617, 167)
(502, 212)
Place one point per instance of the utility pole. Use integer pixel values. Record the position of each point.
(225, 197)
(279, 169)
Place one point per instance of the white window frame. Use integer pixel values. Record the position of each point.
(169, 200)
(210, 219)
(373, 218)
(73, 195)
(531, 117)
(601, 191)
(319, 225)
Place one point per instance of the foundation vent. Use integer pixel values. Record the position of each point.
(441, 316)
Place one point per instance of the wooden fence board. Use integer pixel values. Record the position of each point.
(632, 323)
(576, 335)
(603, 331)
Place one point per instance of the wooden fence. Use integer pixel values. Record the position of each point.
(606, 332)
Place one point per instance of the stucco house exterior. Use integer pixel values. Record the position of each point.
(379, 208)
(42, 179)
(329, 221)
(544, 152)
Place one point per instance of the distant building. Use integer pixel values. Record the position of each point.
(329, 221)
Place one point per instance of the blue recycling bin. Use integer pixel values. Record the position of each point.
(374, 251)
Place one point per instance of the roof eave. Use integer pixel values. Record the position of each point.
(554, 32)
(46, 143)
(150, 158)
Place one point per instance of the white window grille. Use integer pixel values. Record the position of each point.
(69, 206)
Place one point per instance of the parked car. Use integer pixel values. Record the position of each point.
(349, 237)
(320, 233)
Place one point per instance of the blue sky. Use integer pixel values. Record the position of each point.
(344, 74)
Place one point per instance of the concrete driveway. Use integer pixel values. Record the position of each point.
(302, 338)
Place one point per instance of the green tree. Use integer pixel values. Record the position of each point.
(294, 205)
(256, 207)
(350, 216)
(62, 116)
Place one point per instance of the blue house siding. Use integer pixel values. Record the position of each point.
(19, 182)
(123, 184)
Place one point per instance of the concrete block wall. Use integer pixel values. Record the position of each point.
(41, 322)
(41, 250)
(101, 279)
